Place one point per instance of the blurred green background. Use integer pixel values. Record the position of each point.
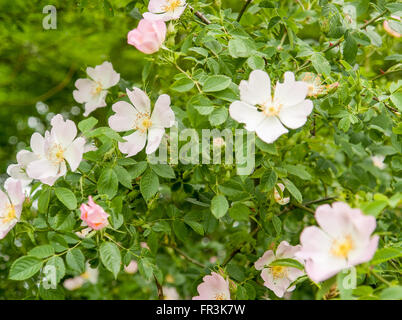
(38, 67)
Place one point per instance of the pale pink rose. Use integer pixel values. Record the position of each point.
(378, 161)
(132, 267)
(18, 171)
(54, 149)
(94, 215)
(269, 116)
(214, 287)
(148, 37)
(278, 278)
(137, 116)
(277, 196)
(75, 283)
(10, 206)
(165, 9)
(343, 240)
(170, 293)
(388, 28)
(93, 91)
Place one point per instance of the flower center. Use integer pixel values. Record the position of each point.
(85, 275)
(98, 88)
(10, 214)
(143, 122)
(271, 109)
(57, 154)
(341, 248)
(171, 5)
(279, 271)
(220, 296)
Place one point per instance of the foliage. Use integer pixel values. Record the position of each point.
(188, 214)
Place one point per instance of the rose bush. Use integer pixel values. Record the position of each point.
(88, 212)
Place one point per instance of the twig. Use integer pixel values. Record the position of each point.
(185, 256)
(199, 15)
(303, 206)
(385, 73)
(161, 296)
(375, 274)
(243, 10)
(237, 250)
(341, 39)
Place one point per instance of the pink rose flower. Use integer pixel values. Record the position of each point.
(10, 206)
(94, 215)
(278, 278)
(214, 287)
(342, 241)
(149, 35)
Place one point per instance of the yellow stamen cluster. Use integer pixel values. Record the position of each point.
(341, 248)
(10, 214)
(171, 5)
(57, 153)
(279, 271)
(220, 296)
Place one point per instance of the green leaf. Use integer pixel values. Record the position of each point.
(385, 254)
(190, 219)
(87, 124)
(392, 293)
(299, 171)
(268, 180)
(287, 263)
(320, 64)
(58, 264)
(107, 132)
(349, 48)
(145, 266)
(110, 257)
(239, 212)
(293, 190)
(149, 184)
(123, 176)
(108, 183)
(374, 208)
(67, 197)
(163, 170)
(256, 63)
(219, 206)
(218, 116)
(182, 85)
(239, 48)
(43, 251)
(137, 169)
(24, 268)
(43, 200)
(277, 223)
(75, 260)
(216, 83)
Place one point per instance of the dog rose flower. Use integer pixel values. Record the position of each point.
(343, 240)
(148, 37)
(268, 116)
(54, 149)
(139, 118)
(278, 278)
(18, 171)
(10, 206)
(390, 28)
(165, 9)
(93, 91)
(214, 287)
(278, 197)
(93, 215)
